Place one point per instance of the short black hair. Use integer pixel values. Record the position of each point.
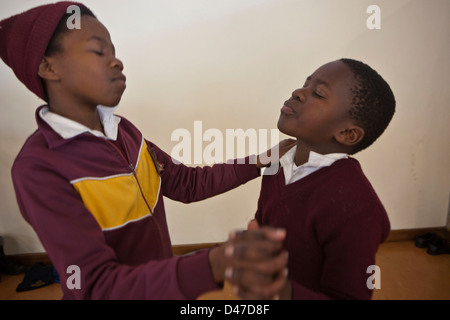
(54, 46)
(373, 104)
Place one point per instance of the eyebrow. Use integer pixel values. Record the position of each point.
(100, 39)
(319, 81)
(97, 38)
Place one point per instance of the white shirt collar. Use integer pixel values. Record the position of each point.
(68, 128)
(316, 161)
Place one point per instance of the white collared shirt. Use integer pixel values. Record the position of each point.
(68, 128)
(316, 161)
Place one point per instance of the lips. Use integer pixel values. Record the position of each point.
(120, 82)
(120, 78)
(287, 109)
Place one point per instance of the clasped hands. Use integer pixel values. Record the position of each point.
(254, 263)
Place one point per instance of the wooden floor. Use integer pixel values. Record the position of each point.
(407, 273)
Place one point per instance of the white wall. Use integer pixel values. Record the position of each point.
(231, 64)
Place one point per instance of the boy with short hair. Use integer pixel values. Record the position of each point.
(333, 218)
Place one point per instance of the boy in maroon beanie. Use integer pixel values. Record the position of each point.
(92, 187)
(333, 219)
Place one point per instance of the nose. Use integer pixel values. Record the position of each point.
(299, 94)
(117, 63)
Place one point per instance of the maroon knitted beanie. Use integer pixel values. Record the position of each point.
(24, 39)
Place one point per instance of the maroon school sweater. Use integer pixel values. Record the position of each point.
(99, 205)
(335, 223)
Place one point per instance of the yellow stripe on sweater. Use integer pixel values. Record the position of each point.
(117, 200)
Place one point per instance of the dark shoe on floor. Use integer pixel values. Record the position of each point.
(438, 246)
(37, 276)
(424, 240)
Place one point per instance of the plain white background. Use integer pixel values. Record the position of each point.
(232, 63)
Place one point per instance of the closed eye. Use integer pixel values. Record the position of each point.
(318, 95)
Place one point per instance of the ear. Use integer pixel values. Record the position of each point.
(350, 136)
(46, 70)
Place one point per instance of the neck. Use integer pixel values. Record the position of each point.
(86, 115)
(302, 153)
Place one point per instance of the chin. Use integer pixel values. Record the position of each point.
(113, 98)
(281, 125)
(112, 103)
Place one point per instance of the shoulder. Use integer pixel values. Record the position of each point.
(346, 180)
(349, 192)
(348, 173)
(34, 167)
(346, 166)
(34, 148)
